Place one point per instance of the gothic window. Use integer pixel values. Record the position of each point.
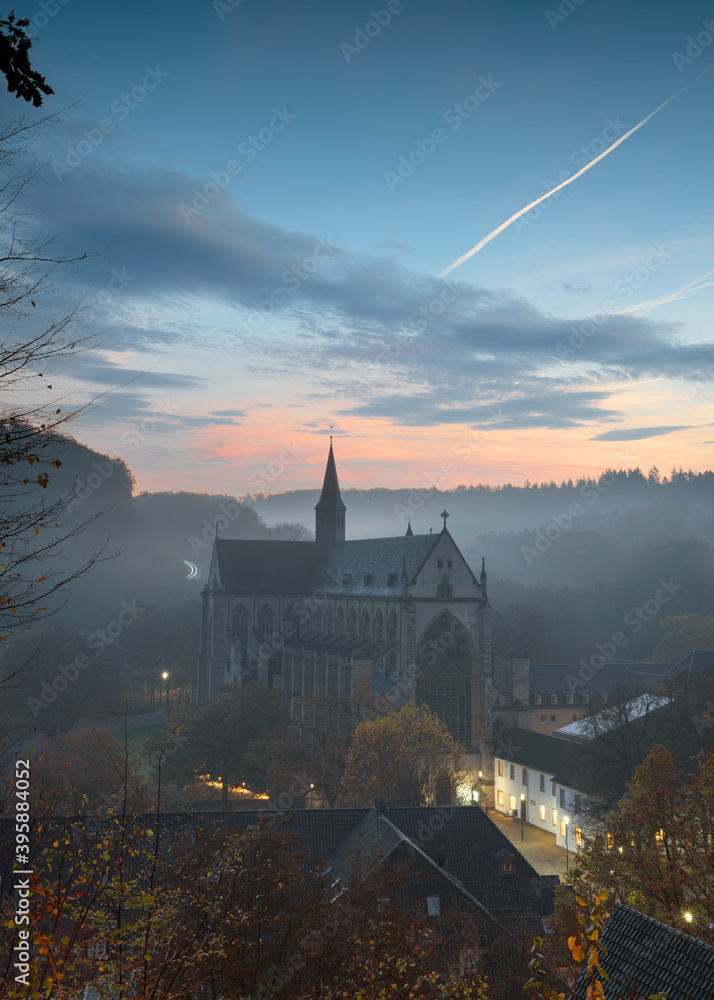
(378, 626)
(340, 627)
(290, 627)
(352, 628)
(328, 621)
(265, 623)
(364, 625)
(240, 629)
(317, 622)
(392, 635)
(445, 665)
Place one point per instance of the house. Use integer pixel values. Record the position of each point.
(528, 783)
(563, 693)
(644, 957)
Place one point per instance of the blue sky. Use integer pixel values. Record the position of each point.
(271, 189)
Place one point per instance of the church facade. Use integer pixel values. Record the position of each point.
(379, 621)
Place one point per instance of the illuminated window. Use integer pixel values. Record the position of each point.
(610, 841)
(659, 837)
(555, 817)
(500, 768)
(512, 802)
(542, 814)
(500, 797)
(578, 837)
(563, 828)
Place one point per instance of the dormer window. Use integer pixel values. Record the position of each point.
(506, 863)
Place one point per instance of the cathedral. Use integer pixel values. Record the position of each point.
(379, 621)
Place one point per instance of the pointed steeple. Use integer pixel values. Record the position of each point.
(483, 576)
(330, 510)
(409, 531)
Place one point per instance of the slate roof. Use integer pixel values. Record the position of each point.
(648, 955)
(330, 498)
(376, 839)
(370, 567)
(610, 759)
(696, 662)
(265, 568)
(536, 751)
(471, 843)
(613, 675)
(318, 830)
(469, 839)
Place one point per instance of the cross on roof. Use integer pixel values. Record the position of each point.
(444, 514)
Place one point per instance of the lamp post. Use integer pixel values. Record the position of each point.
(566, 820)
(523, 813)
(165, 676)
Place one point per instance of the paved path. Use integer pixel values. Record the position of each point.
(537, 847)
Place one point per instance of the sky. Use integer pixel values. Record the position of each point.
(275, 196)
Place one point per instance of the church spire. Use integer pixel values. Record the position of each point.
(409, 531)
(330, 510)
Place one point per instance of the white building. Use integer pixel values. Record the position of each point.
(525, 766)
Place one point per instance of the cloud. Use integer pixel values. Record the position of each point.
(94, 369)
(637, 433)
(416, 348)
(556, 409)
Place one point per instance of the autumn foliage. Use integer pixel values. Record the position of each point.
(407, 757)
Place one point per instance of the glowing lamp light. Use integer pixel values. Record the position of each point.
(688, 917)
(165, 675)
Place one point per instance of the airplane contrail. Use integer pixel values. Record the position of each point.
(685, 292)
(504, 225)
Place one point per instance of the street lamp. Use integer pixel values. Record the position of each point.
(165, 677)
(566, 820)
(523, 812)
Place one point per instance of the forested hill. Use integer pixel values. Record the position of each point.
(624, 505)
(566, 563)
